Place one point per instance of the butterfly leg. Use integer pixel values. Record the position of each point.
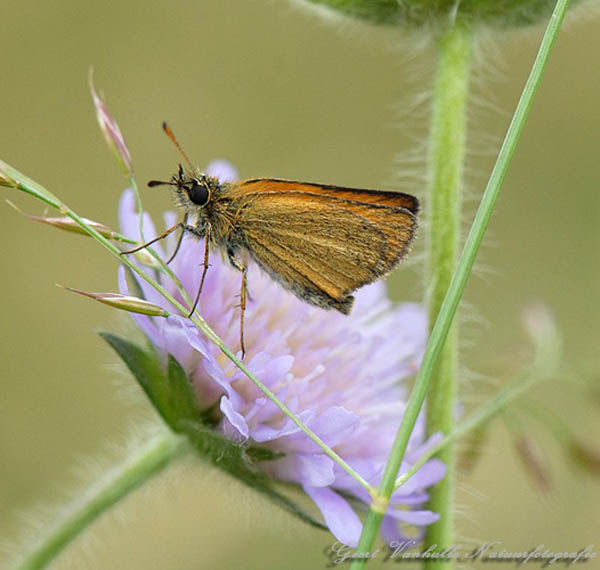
(204, 270)
(161, 236)
(243, 295)
(179, 240)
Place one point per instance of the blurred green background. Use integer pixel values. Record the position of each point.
(280, 92)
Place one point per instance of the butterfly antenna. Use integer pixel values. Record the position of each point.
(153, 183)
(171, 135)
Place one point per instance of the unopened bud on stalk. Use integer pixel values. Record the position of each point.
(124, 302)
(69, 225)
(111, 131)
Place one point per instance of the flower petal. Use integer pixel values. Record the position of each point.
(418, 518)
(333, 426)
(223, 170)
(393, 536)
(235, 419)
(264, 433)
(432, 472)
(339, 516)
(129, 220)
(313, 469)
(209, 362)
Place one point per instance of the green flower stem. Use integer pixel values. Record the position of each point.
(448, 136)
(27, 185)
(457, 285)
(118, 483)
(561, 430)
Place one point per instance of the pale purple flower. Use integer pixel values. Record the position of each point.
(343, 376)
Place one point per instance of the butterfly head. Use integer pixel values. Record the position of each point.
(192, 189)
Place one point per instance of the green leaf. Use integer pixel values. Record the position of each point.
(257, 453)
(232, 458)
(144, 365)
(170, 392)
(182, 400)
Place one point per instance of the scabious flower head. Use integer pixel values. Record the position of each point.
(343, 376)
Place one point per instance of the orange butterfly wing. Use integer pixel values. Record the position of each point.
(323, 242)
(271, 185)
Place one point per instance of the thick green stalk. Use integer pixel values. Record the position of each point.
(447, 151)
(457, 286)
(118, 483)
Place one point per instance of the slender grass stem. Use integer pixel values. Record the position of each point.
(447, 151)
(457, 286)
(118, 483)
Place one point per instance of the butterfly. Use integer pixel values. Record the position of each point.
(320, 241)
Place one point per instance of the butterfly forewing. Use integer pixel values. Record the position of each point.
(274, 185)
(324, 245)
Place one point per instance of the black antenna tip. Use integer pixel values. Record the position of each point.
(153, 183)
(164, 125)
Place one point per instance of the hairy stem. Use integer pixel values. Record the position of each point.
(118, 483)
(457, 286)
(447, 151)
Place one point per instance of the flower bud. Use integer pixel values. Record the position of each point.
(124, 302)
(111, 131)
(417, 13)
(67, 224)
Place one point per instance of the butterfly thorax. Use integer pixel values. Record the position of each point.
(207, 204)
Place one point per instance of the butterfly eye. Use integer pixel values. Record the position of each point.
(198, 193)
